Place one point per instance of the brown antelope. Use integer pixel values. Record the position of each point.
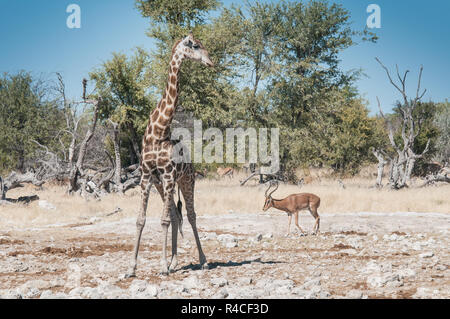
(225, 171)
(201, 174)
(293, 204)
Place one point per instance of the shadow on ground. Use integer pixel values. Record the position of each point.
(213, 265)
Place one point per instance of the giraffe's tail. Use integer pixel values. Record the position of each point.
(179, 214)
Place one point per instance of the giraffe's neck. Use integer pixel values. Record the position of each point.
(162, 116)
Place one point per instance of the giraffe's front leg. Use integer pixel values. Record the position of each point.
(140, 222)
(174, 221)
(166, 219)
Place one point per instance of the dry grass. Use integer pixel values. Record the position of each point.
(214, 197)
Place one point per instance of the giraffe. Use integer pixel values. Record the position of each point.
(158, 166)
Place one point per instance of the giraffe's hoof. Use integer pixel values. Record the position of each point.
(205, 266)
(164, 271)
(172, 269)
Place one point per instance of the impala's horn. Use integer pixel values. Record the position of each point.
(270, 185)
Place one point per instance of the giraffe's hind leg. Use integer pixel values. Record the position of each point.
(187, 184)
(168, 217)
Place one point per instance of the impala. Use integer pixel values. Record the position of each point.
(293, 204)
(227, 171)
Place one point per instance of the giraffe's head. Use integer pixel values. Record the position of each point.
(193, 49)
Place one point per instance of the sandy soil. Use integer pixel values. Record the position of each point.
(357, 255)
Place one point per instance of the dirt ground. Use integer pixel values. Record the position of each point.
(357, 255)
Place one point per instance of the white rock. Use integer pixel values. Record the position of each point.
(94, 219)
(324, 295)
(138, 286)
(209, 236)
(373, 267)
(245, 281)
(311, 283)
(406, 273)
(151, 291)
(221, 294)
(441, 267)
(280, 291)
(32, 292)
(191, 282)
(354, 294)
(47, 294)
(11, 294)
(228, 240)
(38, 284)
(283, 283)
(256, 238)
(348, 251)
(355, 242)
(46, 205)
(219, 282)
(263, 282)
(423, 292)
(427, 254)
(377, 281)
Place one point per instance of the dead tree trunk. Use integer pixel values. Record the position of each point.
(76, 171)
(117, 180)
(381, 164)
(403, 163)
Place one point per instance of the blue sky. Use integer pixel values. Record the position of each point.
(34, 37)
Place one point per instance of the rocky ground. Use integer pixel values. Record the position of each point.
(364, 255)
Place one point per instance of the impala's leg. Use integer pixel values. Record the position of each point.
(289, 224)
(166, 219)
(187, 184)
(140, 223)
(313, 211)
(296, 222)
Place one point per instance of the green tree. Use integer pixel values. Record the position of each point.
(306, 75)
(442, 122)
(124, 86)
(26, 115)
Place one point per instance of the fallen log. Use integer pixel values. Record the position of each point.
(15, 180)
(431, 179)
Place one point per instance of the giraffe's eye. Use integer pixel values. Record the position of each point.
(196, 46)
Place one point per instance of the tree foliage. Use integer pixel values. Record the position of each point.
(26, 115)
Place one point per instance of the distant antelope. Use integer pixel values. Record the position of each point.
(293, 204)
(201, 174)
(225, 171)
